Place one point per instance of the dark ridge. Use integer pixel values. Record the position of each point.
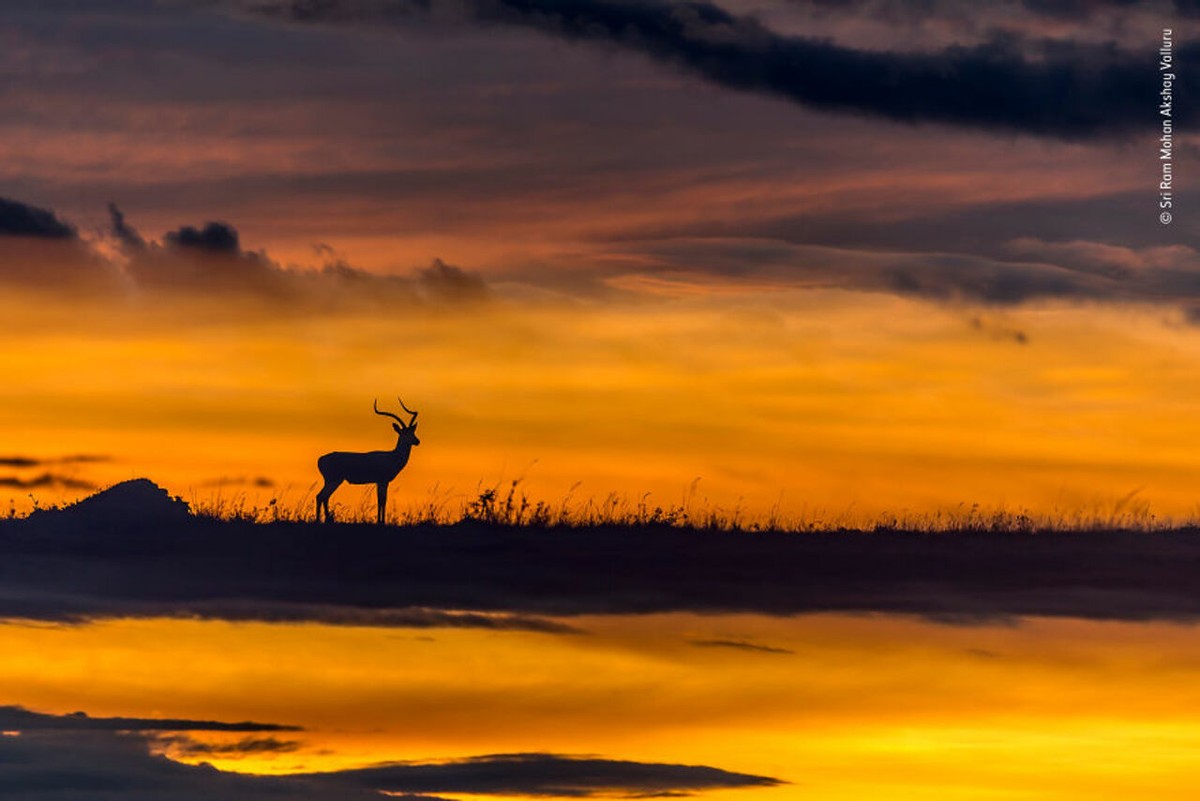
(137, 501)
(133, 551)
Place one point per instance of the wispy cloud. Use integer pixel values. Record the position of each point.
(189, 747)
(43, 461)
(739, 645)
(45, 481)
(209, 262)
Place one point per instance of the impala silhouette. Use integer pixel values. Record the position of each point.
(375, 467)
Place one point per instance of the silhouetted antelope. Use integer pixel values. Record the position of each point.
(376, 467)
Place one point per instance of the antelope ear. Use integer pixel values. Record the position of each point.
(413, 427)
(397, 427)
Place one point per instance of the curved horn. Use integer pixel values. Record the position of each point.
(389, 414)
(412, 419)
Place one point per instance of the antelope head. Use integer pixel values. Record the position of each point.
(407, 431)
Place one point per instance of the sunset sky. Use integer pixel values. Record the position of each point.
(819, 262)
(836, 259)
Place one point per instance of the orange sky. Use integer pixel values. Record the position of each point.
(844, 707)
(822, 264)
(832, 405)
(955, 291)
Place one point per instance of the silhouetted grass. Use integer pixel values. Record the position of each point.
(507, 504)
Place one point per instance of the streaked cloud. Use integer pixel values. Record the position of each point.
(546, 775)
(209, 261)
(740, 645)
(42, 461)
(188, 747)
(73, 756)
(15, 718)
(45, 481)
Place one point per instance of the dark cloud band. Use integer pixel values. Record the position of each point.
(1059, 90)
(739, 645)
(548, 775)
(15, 718)
(58, 757)
(23, 220)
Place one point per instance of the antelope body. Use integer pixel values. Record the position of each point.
(373, 467)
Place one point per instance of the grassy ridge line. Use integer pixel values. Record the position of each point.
(507, 505)
(134, 551)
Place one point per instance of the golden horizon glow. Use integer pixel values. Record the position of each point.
(807, 403)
